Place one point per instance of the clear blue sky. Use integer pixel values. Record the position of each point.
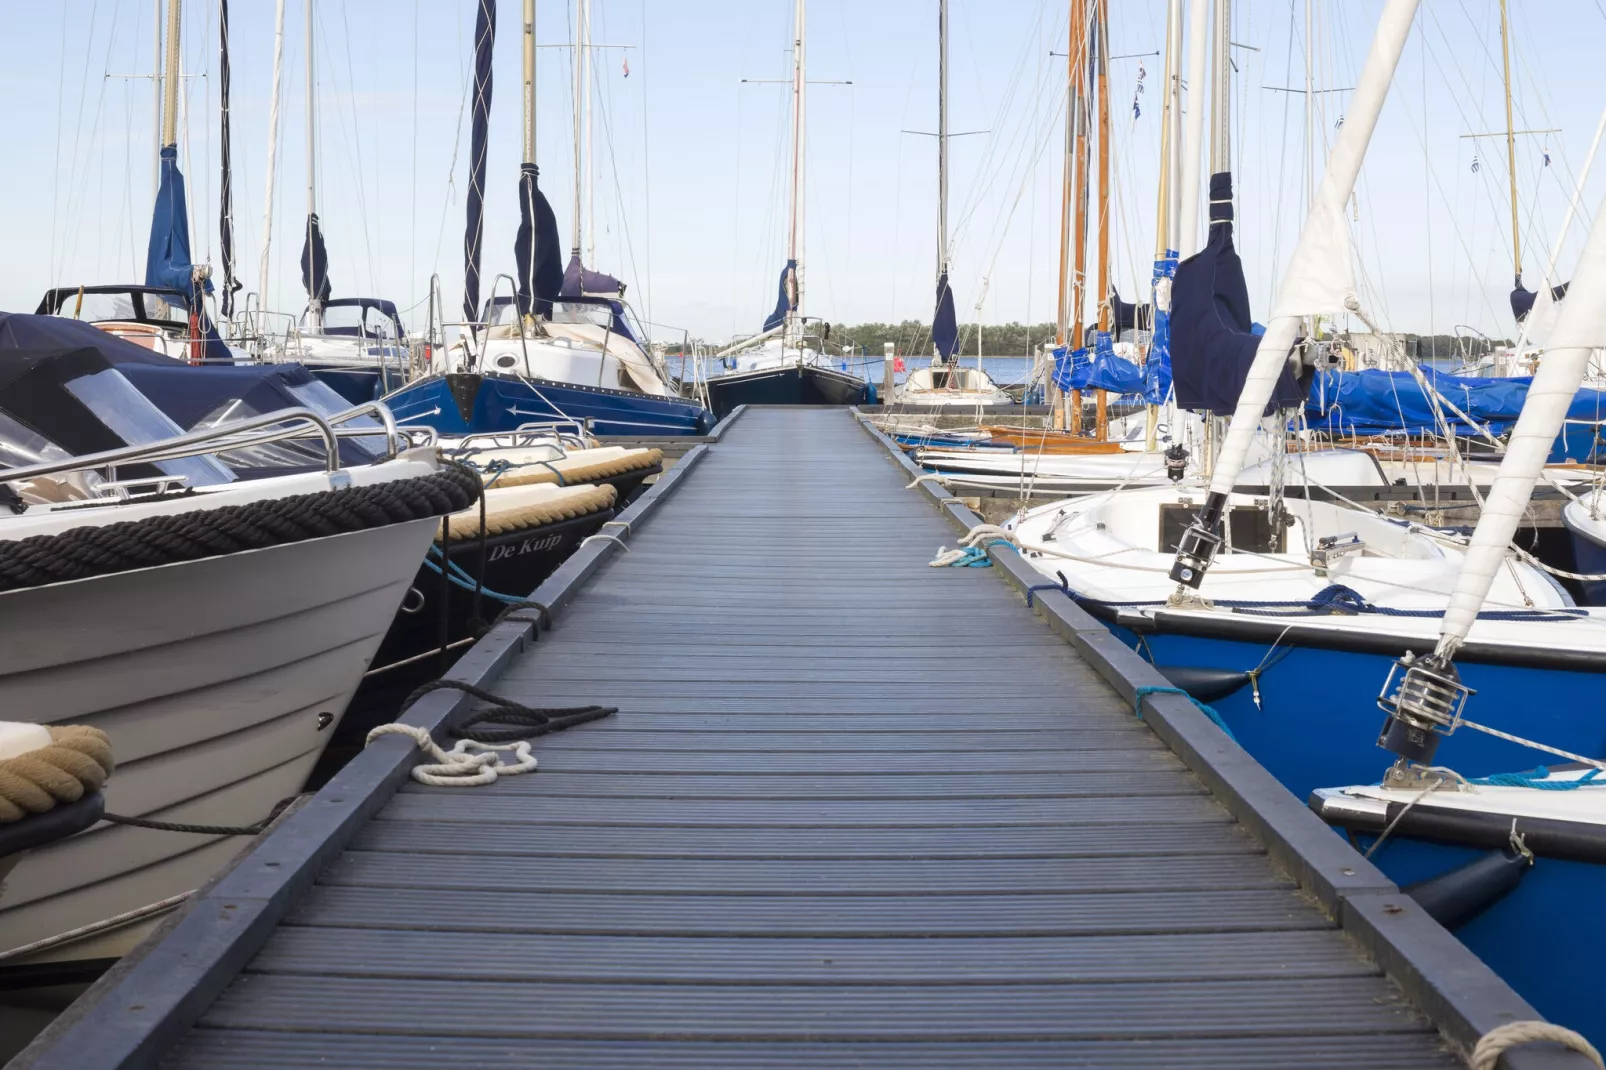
(690, 162)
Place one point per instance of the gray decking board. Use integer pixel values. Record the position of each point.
(824, 830)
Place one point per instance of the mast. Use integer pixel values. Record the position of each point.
(158, 41)
(1062, 311)
(579, 127)
(585, 98)
(1511, 144)
(942, 137)
(1193, 141)
(314, 305)
(794, 232)
(171, 79)
(1221, 111)
(529, 82)
(1101, 73)
(273, 150)
(1079, 153)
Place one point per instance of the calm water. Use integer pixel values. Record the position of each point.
(1004, 370)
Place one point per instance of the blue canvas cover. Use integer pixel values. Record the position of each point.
(20, 331)
(1111, 372)
(1157, 365)
(1072, 367)
(580, 281)
(167, 259)
(1212, 340)
(231, 285)
(1522, 300)
(787, 301)
(1124, 314)
(535, 247)
(1379, 402)
(944, 325)
(484, 41)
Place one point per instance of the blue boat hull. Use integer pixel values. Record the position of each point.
(1545, 939)
(1317, 722)
(462, 404)
(359, 385)
(1590, 557)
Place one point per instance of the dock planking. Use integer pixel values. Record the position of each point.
(853, 811)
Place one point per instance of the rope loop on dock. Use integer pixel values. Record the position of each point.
(1144, 692)
(929, 477)
(469, 764)
(1502, 1038)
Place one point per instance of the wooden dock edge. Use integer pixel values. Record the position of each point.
(1449, 984)
(146, 1003)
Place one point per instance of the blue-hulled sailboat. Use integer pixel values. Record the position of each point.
(539, 354)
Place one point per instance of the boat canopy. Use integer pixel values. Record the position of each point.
(158, 306)
(362, 317)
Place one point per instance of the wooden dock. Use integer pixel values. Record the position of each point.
(853, 812)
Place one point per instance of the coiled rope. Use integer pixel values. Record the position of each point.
(1502, 1038)
(476, 759)
(161, 540)
(76, 763)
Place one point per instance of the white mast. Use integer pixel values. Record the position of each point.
(314, 306)
(1320, 278)
(591, 134)
(529, 81)
(794, 234)
(273, 150)
(1193, 140)
(582, 151)
(942, 137)
(1221, 112)
(1173, 120)
(158, 41)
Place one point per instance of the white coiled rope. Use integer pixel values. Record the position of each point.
(1497, 1041)
(969, 541)
(467, 765)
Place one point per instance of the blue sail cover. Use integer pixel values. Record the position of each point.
(1111, 372)
(1157, 365)
(484, 39)
(944, 325)
(231, 285)
(1124, 314)
(579, 280)
(167, 260)
(314, 262)
(1212, 341)
(787, 301)
(1522, 300)
(1071, 367)
(535, 247)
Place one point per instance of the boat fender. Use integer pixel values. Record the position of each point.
(1459, 895)
(1206, 685)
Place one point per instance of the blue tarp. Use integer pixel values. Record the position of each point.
(1111, 372)
(1071, 367)
(1379, 402)
(788, 297)
(944, 326)
(1157, 365)
(1212, 338)
(535, 246)
(167, 260)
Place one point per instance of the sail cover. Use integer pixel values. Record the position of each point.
(315, 262)
(1124, 314)
(1522, 300)
(231, 285)
(579, 280)
(1157, 365)
(167, 260)
(1212, 339)
(535, 247)
(1111, 372)
(944, 327)
(1071, 367)
(484, 39)
(787, 302)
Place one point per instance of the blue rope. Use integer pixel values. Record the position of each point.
(975, 557)
(1139, 695)
(1539, 778)
(463, 579)
(1063, 586)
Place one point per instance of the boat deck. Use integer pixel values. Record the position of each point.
(853, 811)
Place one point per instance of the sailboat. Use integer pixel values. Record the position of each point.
(1511, 857)
(944, 383)
(534, 354)
(784, 363)
(214, 627)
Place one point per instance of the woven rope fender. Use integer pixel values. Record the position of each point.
(162, 540)
(77, 762)
(514, 508)
(1497, 1041)
(576, 471)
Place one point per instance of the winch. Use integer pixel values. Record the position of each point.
(1423, 707)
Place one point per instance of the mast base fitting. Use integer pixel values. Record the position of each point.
(1195, 551)
(1423, 707)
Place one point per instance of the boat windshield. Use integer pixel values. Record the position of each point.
(322, 399)
(98, 308)
(355, 321)
(137, 422)
(21, 446)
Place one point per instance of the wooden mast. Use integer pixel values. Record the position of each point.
(1063, 312)
(1102, 91)
(1079, 47)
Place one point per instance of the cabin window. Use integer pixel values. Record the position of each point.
(1251, 529)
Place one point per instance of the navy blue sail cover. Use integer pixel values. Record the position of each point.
(944, 326)
(167, 259)
(581, 281)
(314, 262)
(787, 302)
(484, 40)
(1124, 314)
(1212, 339)
(535, 247)
(1522, 300)
(225, 212)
